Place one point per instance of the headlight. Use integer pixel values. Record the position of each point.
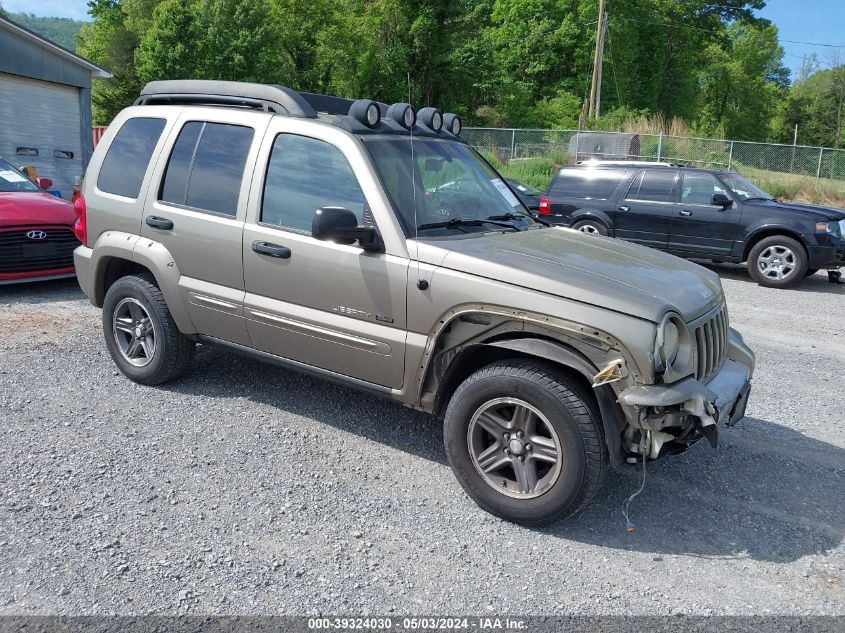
(830, 228)
(673, 348)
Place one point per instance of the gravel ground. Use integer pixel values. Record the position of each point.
(244, 489)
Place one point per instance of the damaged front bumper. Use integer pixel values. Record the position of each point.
(671, 417)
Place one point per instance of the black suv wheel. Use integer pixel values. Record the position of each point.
(777, 261)
(525, 442)
(140, 333)
(590, 227)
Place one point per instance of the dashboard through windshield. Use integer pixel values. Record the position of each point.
(444, 187)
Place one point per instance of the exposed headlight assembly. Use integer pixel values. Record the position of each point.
(673, 349)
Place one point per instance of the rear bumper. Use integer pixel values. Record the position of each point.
(82, 263)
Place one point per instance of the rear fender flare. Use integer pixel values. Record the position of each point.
(592, 214)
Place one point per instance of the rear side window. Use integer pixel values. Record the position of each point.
(206, 167)
(128, 156)
(652, 186)
(589, 184)
(305, 174)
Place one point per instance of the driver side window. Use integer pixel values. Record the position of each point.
(699, 189)
(303, 175)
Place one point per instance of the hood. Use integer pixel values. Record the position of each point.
(34, 208)
(601, 271)
(828, 213)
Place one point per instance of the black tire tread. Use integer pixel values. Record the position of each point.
(178, 349)
(583, 410)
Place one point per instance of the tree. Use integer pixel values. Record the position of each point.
(742, 83)
(110, 41)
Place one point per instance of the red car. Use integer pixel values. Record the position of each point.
(36, 240)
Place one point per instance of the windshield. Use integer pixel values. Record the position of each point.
(13, 180)
(744, 189)
(454, 185)
(523, 188)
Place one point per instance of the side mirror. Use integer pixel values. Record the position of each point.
(340, 225)
(721, 200)
(43, 183)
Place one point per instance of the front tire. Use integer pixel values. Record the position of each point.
(777, 261)
(525, 442)
(590, 227)
(141, 335)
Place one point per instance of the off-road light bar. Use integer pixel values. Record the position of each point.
(403, 113)
(366, 112)
(452, 123)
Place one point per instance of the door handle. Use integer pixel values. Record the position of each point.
(624, 208)
(271, 250)
(159, 223)
(686, 213)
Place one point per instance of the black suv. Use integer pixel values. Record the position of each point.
(699, 213)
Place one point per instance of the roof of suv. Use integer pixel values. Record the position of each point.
(283, 101)
(638, 164)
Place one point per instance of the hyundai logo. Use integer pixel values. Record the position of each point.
(36, 235)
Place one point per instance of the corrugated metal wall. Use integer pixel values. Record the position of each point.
(42, 117)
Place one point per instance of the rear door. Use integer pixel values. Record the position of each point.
(577, 188)
(646, 209)
(196, 209)
(700, 226)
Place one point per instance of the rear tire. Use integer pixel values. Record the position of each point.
(503, 425)
(141, 335)
(777, 261)
(810, 272)
(590, 227)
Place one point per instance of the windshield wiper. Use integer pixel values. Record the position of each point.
(458, 222)
(512, 216)
(757, 198)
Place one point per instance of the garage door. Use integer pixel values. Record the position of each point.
(39, 125)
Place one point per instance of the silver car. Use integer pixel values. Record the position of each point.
(370, 245)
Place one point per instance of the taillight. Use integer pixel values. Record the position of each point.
(80, 225)
(545, 207)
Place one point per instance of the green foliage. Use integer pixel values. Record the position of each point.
(523, 63)
(62, 31)
(536, 172)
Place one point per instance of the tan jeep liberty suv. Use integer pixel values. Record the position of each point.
(372, 246)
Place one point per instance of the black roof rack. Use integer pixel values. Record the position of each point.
(275, 99)
(267, 97)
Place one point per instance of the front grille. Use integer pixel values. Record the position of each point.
(20, 254)
(711, 344)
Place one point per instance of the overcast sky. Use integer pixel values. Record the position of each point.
(819, 21)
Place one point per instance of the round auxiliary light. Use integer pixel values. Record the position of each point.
(432, 118)
(403, 113)
(452, 122)
(366, 112)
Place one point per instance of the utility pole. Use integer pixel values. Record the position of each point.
(598, 61)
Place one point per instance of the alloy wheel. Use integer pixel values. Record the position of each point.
(134, 332)
(589, 229)
(514, 448)
(777, 262)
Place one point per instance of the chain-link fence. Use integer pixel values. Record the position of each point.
(569, 146)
